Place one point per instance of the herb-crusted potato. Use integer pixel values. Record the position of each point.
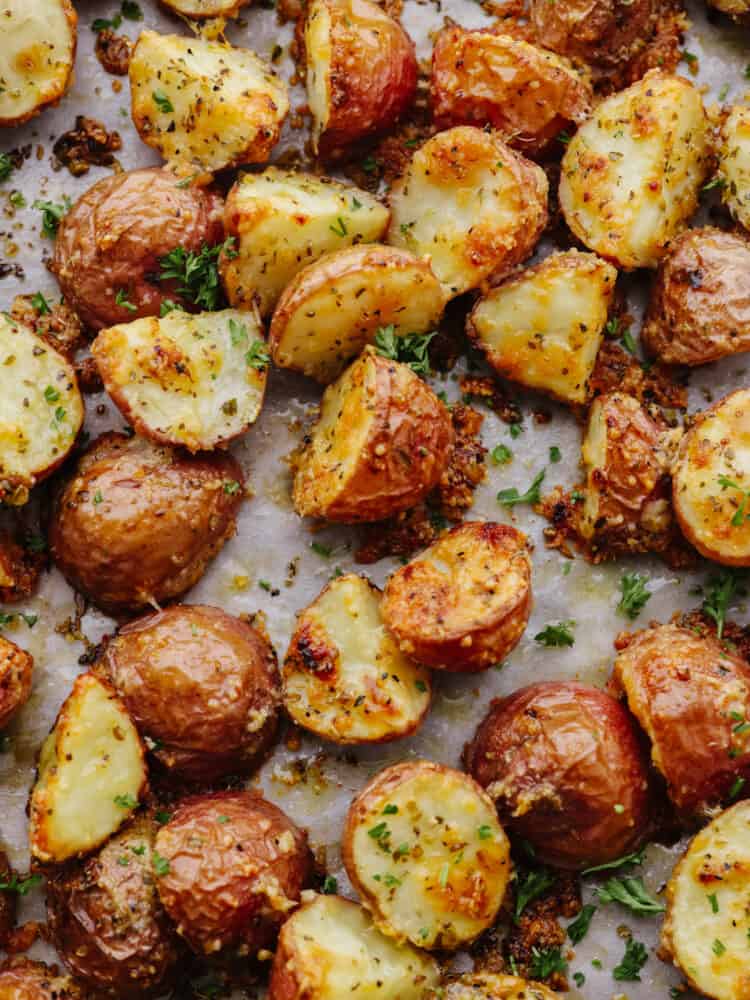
(424, 849)
(332, 308)
(16, 667)
(631, 175)
(36, 57)
(344, 677)
(206, 104)
(734, 163)
(329, 948)
(202, 9)
(492, 986)
(471, 204)
(544, 326)
(196, 381)
(23, 979)
(380, 444)
(91, 774)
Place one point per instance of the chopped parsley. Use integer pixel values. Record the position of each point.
(320, 549)
(131, 10)
(510, 497)
(167, 306)
(630, 892)
(530, 886)
(714, 902)
(718, 947)
(633, 960)
(21, 886)
(635, 594)
(258, 357)
(197, 273)
(52, 213)
(515, 430)
(740, 515)
(339, 228)
(555, 454)
(545, 962)
(501, 454)
(6, 167)
(557, 634)
(635, 858)
(330, 886)
(484, 832)
(579, 979)
(41, 305)
(408, 348)
(231, 486)
(125, 801)
(390, 809)
(162, 817)
(51, 394)
(161, 865)
(719, 592)
(579, 928)
(162, 102)
(737, 785)
(121, 299)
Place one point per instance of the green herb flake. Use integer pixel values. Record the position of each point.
(161, 865)
(713, 902)
(579, 928)
(484, 832)
(390, 809)
(125, 801)
(330, 886)
(555, 454)
(635, 858)
(737, 785)
(557, 634)
(635, 594)
(51, 394)
(510, 497)
(719, 591)
(718, 947)
(631, 893)
(633, 960)
(6, 167)
(52, 214)
(530, 886)
(501, 454)
(21, 886)
(41, 305)
(545, 962)
(409, 348)
(579, 979)
(121, 299)
(320, 549)
(339, 228)
(231, 486)
(197, 274)
(162, 102)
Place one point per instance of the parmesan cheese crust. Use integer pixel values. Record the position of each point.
(734, 163)
(492, 986)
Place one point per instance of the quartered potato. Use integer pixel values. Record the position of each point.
(492, 986)
(711, 480)
(91, 774)
(543, 327)
(462, 604)
(330, 949)
(41, 410)
(201, 9)
(734, 163)
(281, 221)
(631, 175)
(471, 204)
(424, 849)
(381, 443)
(205, 104)
(344, 677)
(707, 926)
(332, 308)
(36, 56)
(196, 381)
(23, 979)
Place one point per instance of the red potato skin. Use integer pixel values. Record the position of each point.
(23, 979)
(16, 667)
(557, 757)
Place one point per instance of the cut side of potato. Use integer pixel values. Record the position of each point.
(91, 774)
(196, 381)
(734, 163)
(329, 949)
(41, 410)
(707, 926)
(423, 847)
(344, 676)
(205, 104)
(492, 986)
(332, 308)
(470, 204)
(631, 175)
(201, 9)
(543, 328)
(281, 221)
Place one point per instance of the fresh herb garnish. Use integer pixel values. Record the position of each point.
(579, 928)
(121, 299)
(409, 348)
(197, 273)
(52, 214)
(162, 102)
(510, 497)
(719, 591)
(21, 886)
(557, 634)
(530, 886)
(501, 454)
(41, 305)
(545, 962)
(6, 167)
(740, 516)
(330, 886)
(125, 801)
(635, 594)
(630, 892)
(635, 858)
(633, 960)
(161, 865)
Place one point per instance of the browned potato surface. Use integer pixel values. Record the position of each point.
(734, 163)
(16, 666)
(202, 9)
(492, 986)
(8, 902)
(739, 10)
(136, 523)
(23, 979)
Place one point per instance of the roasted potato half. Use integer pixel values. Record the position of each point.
(361, 72)
(23, 979)
(90, 775)
(423, 847)
(195, 381)
(205, 104)
(544, 326)
(563, 763)
(631, 175)
(492, 986)
(707, 925)
(380, 444)
(233, 867)
(36, 57)
(202, 9)
(344, 677)
(332, 308)
(734, 163)
(135, 524)
(739, 10)
(329, 949)
(471, 204)
(527, 94)
(709, 484)
(16, 668)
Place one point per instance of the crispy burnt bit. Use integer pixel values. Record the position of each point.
(113, 52)
(538, 928)
(21, 565)
(8, 902)
(87, 145)
(24, 979)
(663, 50)
(55, 322)
(617, 370)
(16, 668)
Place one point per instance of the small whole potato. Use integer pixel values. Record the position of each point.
(136, 523)
(23, 979)
(564, 766)
(16, 666)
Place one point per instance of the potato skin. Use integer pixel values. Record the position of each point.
(16, 666)
(23, 979)
(134, 522)
(237, 866)
(492, 986)
(557, 757)
(113, 236)
(8, 902)
(201, 684)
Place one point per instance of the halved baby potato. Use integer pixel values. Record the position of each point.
(544, 326)
(329, 949)
(381, 443)
(344, 676)
(632, 174)
(201, 9)
(191, 380)
(205, 104)
(711, 480)
(91, 774)
(471, 204)
(41, 410)
(734, 163)
(462, 604)
(492, 986)
(707, 926)
(738, 10)
(332, 308)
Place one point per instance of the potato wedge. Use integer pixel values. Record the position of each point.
(16, 670)
(41, 410)
(380, 444)
(632, 174)
(423, 847)
(707, 925)
(344, 677)
(734, 163)
(329, 948)
(36, 57)
(471, 204)
(199, 10)
(196, 381)
(91, 774)
(544, 326)
(492, 986)
(710, 480)
(332, 308)
(205, 104)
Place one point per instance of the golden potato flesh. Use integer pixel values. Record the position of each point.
(23, 979)
(739, 10)
(201, 9)
(492, 986)
(16, 667)
(734, 163)
(471, 204)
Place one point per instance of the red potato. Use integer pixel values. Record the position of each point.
(16, 667)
